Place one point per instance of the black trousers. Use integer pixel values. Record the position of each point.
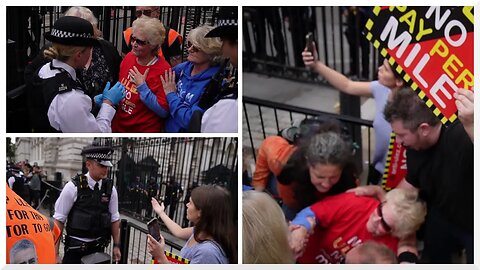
(74, 256)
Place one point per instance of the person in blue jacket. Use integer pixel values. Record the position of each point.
(194, 76)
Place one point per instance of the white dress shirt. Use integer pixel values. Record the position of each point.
(221, 117)
(68, 196)
(71, 111)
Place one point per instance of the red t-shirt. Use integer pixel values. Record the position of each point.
(132, 115)
(342, 226)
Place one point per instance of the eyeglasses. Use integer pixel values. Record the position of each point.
(146, 12)
(382, 220)
(139, 41)
(191, 47)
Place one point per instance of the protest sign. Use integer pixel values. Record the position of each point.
(430, 47)
(395, 166)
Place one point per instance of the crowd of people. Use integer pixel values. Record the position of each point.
(307, 204)
(25, 180)
(87, 208)
(80, 83)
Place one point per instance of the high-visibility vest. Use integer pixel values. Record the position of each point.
(172, 36)
(30, 236)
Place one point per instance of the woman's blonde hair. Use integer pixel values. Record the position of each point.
(210, 46)
(408, 210)
(152, 28)
(62, 52)
(265, 232)
(86, 14)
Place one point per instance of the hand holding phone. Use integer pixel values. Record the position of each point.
(309, 55)
(154, 229)
(309, 42)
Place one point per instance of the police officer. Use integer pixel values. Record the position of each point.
(62, 103)
(136, 191)
(173, 193)
(221, 104)
(17, 182)
(89, 206)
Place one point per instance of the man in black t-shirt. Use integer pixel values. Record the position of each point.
(440, 166)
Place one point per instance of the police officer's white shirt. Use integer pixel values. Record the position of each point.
(11, 180)
(221, 117)
(70, 112)
(68, 196)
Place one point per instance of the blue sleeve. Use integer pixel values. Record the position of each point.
(301, 218)
(180, 111)
(150, 100)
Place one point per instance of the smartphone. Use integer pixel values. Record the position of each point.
(309, 40)
(154, 228)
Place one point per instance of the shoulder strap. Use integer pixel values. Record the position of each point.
(80, 181)
(107, 187)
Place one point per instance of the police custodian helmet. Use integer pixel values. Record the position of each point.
(101, 154)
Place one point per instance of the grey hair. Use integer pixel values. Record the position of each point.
(409, 211)
(210, 46)
(152, 27)
(328, 148)
(87, 14)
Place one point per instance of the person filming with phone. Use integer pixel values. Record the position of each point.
(212, 239)
(388, 83)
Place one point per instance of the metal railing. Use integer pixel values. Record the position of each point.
(188, 162)
(181, 163)
(133, 240)
(274, 38)
(265, 118)
(26, 27)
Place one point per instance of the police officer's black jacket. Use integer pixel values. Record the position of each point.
(42, 94)
(89, 216)
(20, 188)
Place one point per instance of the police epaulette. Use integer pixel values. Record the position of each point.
(80, 180)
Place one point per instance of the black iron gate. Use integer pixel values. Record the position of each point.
(172, 166)
(26, 27)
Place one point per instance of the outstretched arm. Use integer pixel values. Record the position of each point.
(300, 227)
(335, 78)
(174, 228)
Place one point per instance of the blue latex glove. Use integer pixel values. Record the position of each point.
(98, 100)
(107, 86)
(114, 94)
